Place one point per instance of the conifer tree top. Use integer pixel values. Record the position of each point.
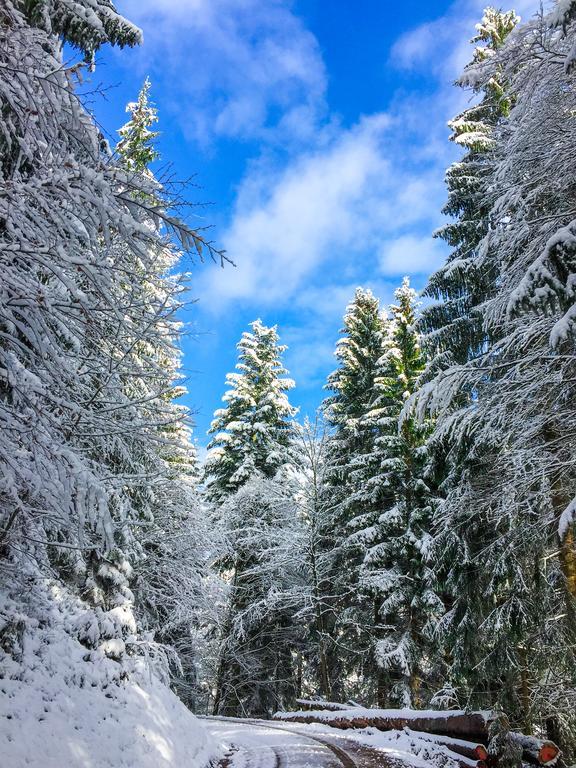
(136, 145)
(493, 30)
(253, 433)
(357, 352)
(85, 24)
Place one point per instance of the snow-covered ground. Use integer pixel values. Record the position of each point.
(404, 746)
(258, 745)
(64, 707)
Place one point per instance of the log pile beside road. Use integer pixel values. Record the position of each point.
(465, 735)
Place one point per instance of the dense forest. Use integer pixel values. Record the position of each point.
(409, 546)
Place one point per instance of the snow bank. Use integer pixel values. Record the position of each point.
(406, 746)
(64, 707)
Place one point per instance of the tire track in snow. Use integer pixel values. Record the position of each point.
(281, 755)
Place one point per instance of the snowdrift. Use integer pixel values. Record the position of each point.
(64, 707)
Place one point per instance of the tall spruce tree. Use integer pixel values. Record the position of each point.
(253, 433)
(353, 482)
(396, 571)
(455, 333)
(504, 409)
(85, 290)
(252, 445)
(455, 328)
(173, 538)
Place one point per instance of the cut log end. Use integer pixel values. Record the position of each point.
(535, 750)
(548, 752)
(481, 753)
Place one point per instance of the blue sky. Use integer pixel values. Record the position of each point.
(315, 131)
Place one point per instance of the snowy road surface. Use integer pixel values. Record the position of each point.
(258, 744)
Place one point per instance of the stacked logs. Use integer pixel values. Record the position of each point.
(465, 735)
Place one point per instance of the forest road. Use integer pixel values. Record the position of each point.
(259, 744)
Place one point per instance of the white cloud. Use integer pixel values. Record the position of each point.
(234, 68)
(314, 208)
(414, 47)
(411, 255)
(442, 46)
(326, 216)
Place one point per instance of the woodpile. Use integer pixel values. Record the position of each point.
(464, 735)
(471, 725)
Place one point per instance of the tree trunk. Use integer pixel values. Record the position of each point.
(298, 675)
(568, 563)
(525, 691)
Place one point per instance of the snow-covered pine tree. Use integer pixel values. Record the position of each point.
(252, 445)
(528, 395)
(253, 433)
(136, 146)
(455, 331)
(84, 290)
(354, 479)
(396, 572)
(172, 535)
(87, 25)
(505, 411)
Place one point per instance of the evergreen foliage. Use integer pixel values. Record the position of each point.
(251, 449)
(253, 433)
(91, 497)
(503, 411)
(136, 145)
(85, 24)
(353, 479)
(169, 587)
(455, 328)
(396, 570)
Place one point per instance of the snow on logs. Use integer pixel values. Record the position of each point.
(316, 704)
(470, 750)
(471, 725)
(465, 734)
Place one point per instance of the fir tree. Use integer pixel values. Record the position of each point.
(252, 444)
(455, 334)
(136, 145)
(353, 480)
(86, 25)
(396, 571)
(172, 537)
(85, 392)
(253, 433)
(454, 326)
(503, 412)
